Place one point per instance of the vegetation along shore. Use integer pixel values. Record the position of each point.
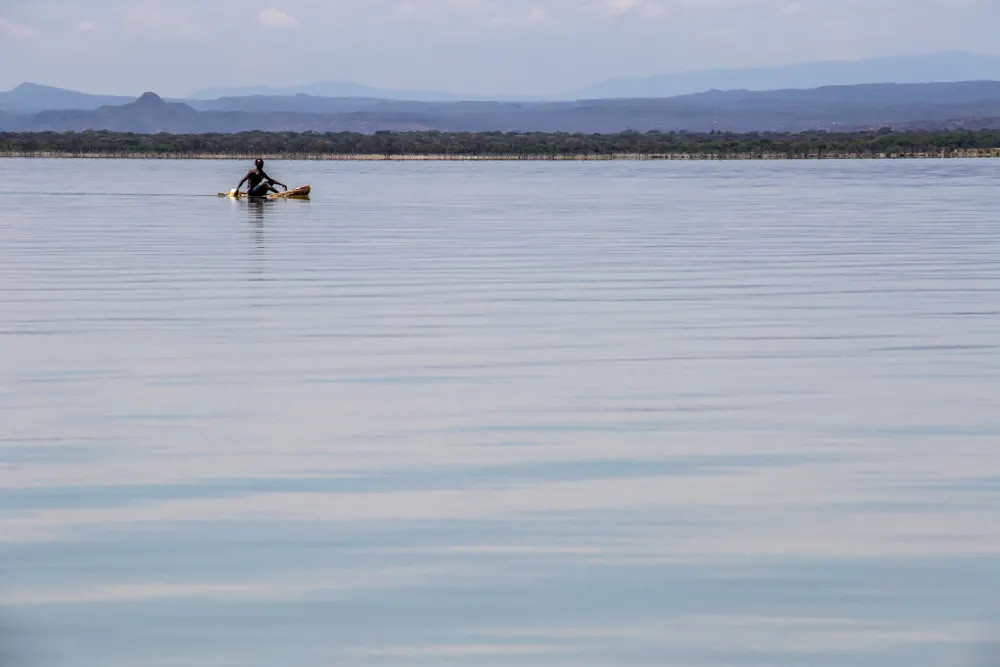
(428, 145)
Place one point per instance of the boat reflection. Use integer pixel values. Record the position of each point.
(256, 214)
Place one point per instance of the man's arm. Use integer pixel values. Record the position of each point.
(272, 181)
(243, 181)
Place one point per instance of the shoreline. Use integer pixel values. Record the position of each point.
(371, 157)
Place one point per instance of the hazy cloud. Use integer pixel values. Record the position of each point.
(621, 6)
(11, 30)
(159, 21)
(533, 17)
(274, 18)
(743, 634)
(435, 9)
(640, 8)
(791, 8)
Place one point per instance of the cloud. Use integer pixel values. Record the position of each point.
(465, 650)
(413, 8)
(156, 20)
(276, 19)
(652, 11)
(621, 6)
(534, 16)
(11, 30)
(471, 6)
(480, 12)
(792, 8)
(89, 27)
(713, 5)
(294, 588)
(771, 633)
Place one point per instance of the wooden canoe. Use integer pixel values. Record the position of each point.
(301, 192)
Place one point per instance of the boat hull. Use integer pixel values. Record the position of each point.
(301, 192)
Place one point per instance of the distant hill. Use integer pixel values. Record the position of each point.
(305, 104)
(943, 67)
(323, 89)
(865, 95)
(313, 104)
(31, 97)
(960, 104)
(147, 114)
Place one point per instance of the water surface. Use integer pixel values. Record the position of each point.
(500, 414)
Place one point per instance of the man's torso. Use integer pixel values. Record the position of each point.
(255, 177)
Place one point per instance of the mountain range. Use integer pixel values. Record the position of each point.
(943, 67)
(609, 107)
(939, 67)
(31, 97)
(947, 66)
(973, 105)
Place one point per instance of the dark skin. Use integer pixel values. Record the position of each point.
(256, 176)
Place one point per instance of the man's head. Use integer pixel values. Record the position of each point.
(259, 163)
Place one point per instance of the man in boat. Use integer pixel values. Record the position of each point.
(259, 183)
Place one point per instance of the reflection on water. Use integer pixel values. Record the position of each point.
(256, 210)
(625, 414)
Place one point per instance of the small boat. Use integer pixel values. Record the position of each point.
(301, 192)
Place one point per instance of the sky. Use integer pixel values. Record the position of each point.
(507, 47)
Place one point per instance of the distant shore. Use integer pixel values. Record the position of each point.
(371, 157)
(421, 145)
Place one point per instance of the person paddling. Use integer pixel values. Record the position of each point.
(259, 183)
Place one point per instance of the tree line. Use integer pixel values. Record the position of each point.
(531, 145)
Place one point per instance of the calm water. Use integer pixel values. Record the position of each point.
(610, 414)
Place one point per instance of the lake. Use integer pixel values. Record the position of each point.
(555, 414)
